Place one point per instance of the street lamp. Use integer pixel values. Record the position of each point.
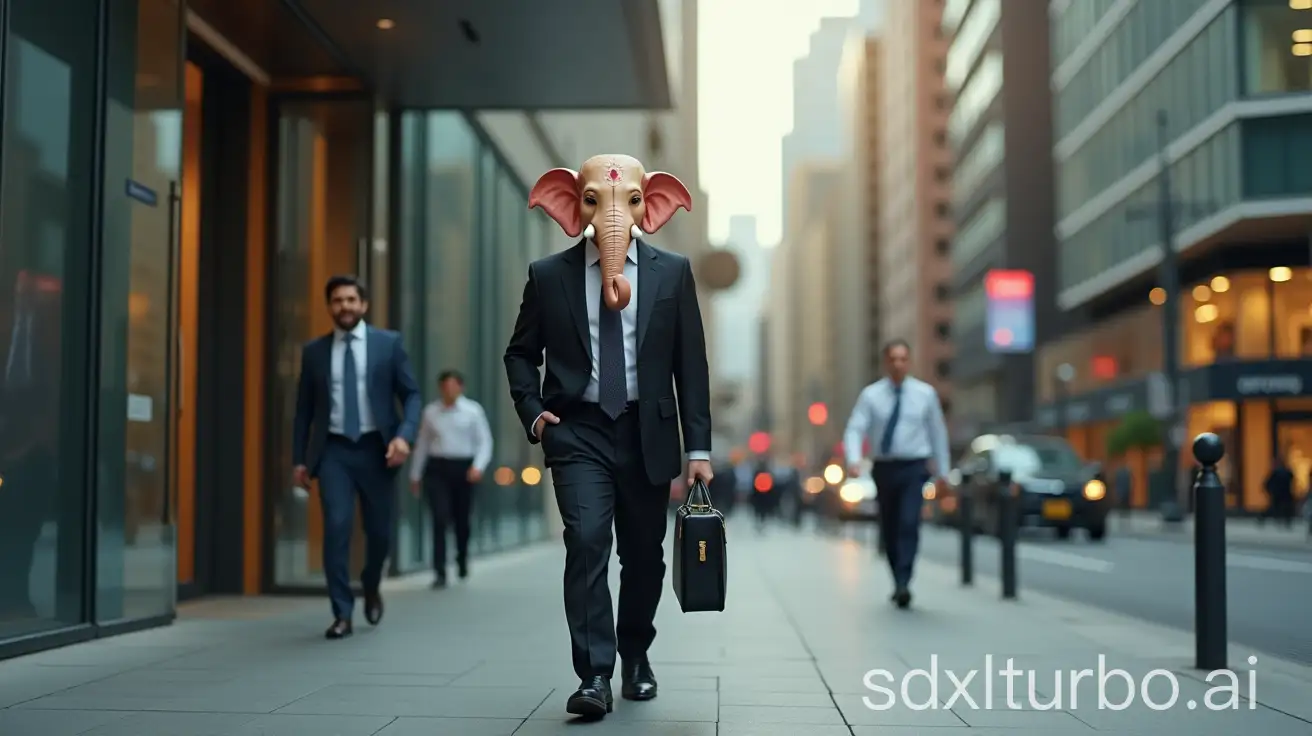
(1164, 213)
(1065, 374)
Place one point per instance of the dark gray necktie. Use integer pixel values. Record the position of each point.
(350, 392)
(886, 444)
(612, 375)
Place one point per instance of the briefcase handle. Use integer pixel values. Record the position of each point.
(699, 497)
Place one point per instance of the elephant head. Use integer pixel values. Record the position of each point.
(612, 200)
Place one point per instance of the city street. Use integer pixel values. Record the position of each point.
(807, 636)
(1270, 591)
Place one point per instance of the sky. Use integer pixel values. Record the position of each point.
(745, 75)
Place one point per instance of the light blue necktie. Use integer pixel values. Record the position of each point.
(886, 444)
(350, 392)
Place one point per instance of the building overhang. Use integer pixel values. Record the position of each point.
(500, 54)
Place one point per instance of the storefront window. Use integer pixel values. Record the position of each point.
(1293, 314)
(1277, 47)
(1227, 318)
(45, 212)
(1125, 347)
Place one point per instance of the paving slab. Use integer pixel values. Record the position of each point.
(809, 646)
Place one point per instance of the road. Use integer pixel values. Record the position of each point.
(1270, 592)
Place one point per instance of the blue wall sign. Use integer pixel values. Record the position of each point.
(141, 193)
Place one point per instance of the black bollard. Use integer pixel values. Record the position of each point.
(966, 520)
(1008, 528)
(1210, 641)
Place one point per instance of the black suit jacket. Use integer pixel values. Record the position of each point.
(553, 321)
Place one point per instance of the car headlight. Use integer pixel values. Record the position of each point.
(1095, 490)
(851, 493)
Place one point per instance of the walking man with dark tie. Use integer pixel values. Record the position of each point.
(348, 434)
(903, 419)
(619, 346)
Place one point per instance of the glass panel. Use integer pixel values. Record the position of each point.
(380, 275)
(45, 212)
(511, 266)
(1293, 315)
(970, 40)
(135, 575)
(486, 377)
(414, 544)
(324, 151)
(1277, 48)
(1227, 318)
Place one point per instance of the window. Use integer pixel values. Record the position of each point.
(943, 329)
(942, 292)
(943, 247)
(1277, 48)
(976, 97)
(970, 40)
(940, 138)
(943, 174)
(943, 369)
(943, 210)
(45, 215)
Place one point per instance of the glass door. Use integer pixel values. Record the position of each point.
(1295, 445)
(139, 344)
(323, 197)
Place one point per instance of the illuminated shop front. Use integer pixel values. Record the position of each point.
(1246, 374)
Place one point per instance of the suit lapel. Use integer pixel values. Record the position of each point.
(649, 284)
(575, 283)
(373, 352)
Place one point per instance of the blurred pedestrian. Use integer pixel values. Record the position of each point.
(1279, 487)
(349, 435)
(903, 418)
(451, 455)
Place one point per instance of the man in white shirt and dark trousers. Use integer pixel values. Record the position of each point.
(451, 454)
(903, 419)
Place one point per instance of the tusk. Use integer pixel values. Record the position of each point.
(636, 232)
(589, 232)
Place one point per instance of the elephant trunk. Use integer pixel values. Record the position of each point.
(613, 238)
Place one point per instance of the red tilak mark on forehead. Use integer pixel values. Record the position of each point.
(613, 175)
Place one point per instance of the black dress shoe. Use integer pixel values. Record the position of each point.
(373, 607)
(902, 598)
(593, 699)
(439, 581)
(639, 681)
(462, 569)
(340, 629)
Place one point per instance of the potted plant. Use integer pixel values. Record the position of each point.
(1139, 430)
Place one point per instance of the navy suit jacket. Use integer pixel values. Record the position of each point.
(390, 381)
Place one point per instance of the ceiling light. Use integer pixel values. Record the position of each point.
(1302, 49)
(1280, 274)
(1300, 4)
(1303, 35)
(1221, 284)
(387, 24)
(1202, 293)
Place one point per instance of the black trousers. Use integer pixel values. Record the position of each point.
(450, 498)
(600, 482)
(900, 484)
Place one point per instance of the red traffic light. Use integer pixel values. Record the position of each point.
(759, 443)
(818, 413)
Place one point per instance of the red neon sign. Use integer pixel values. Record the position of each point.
(999, 284)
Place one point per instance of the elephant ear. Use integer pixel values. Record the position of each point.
(557, 193)
(665, 194)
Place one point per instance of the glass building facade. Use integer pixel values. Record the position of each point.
(167, 224)
(1233, 82)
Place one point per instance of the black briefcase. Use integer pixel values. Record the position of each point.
(701, 572)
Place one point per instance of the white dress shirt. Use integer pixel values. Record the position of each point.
(628, 316)
(359, 352)
(458, 431)
(920, 433)
(629, 319)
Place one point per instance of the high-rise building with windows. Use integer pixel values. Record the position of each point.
(915, 214)
(1224, 91)
(1000, 132)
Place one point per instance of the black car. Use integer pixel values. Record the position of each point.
(1057, 489)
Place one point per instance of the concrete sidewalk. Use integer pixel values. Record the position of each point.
(1240, 532)
(808, 622)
